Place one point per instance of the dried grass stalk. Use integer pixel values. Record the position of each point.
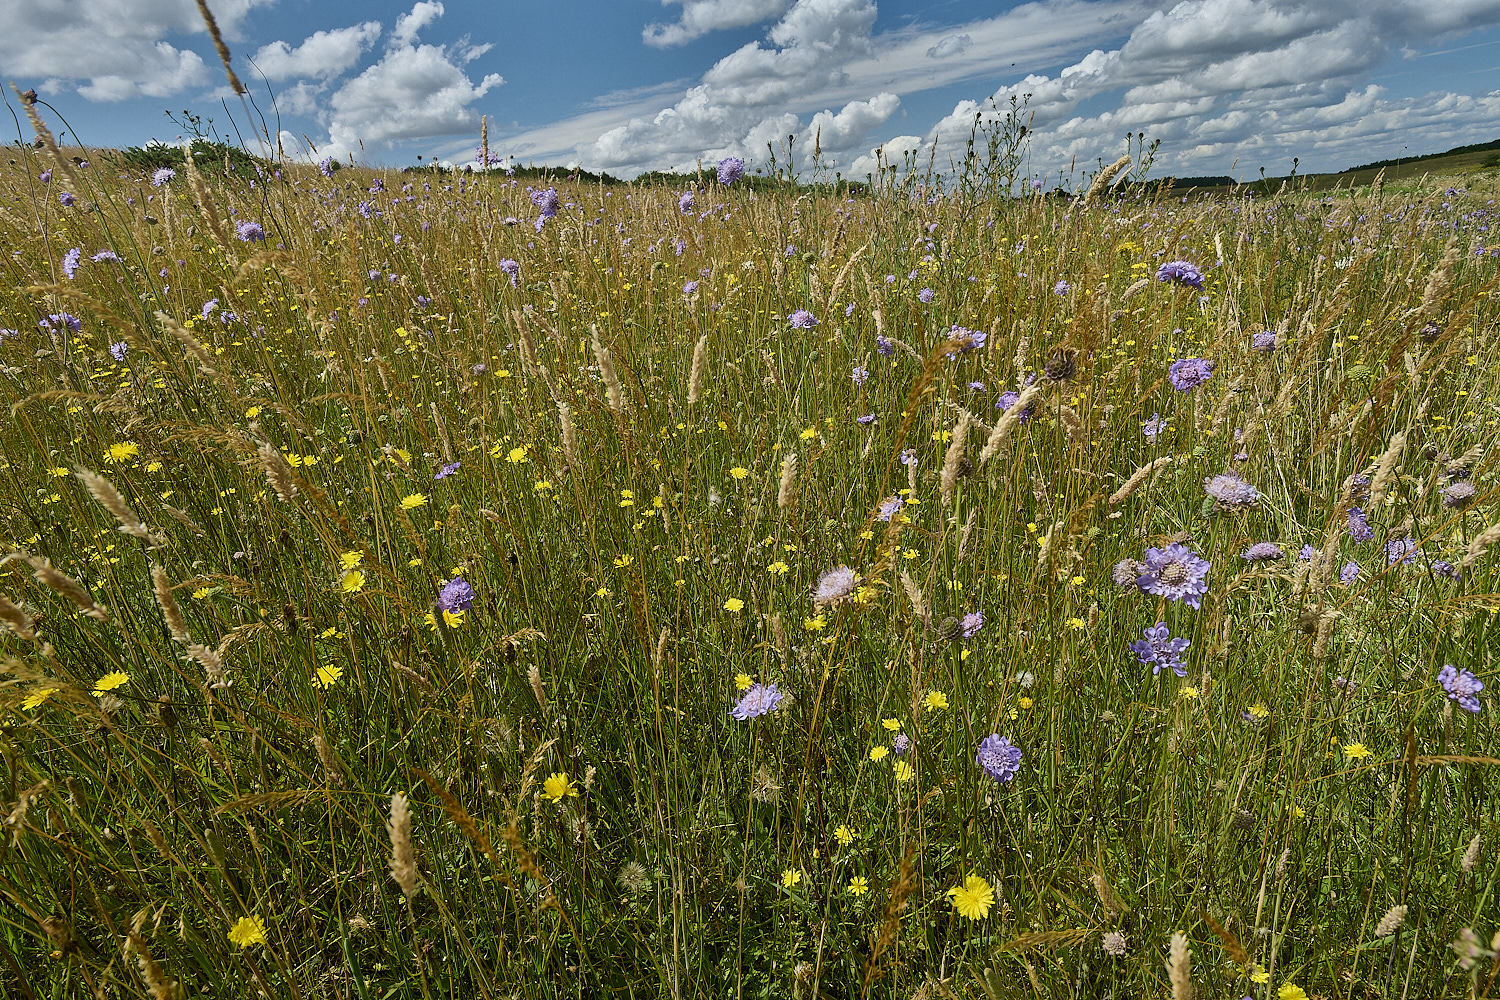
(49, 576)
(205, 197)
(614, 391)
(695, 377)
(109, 498)
(1480, 545)
(183, 334)
(914, 594)
(953, 460)
(1008, 422)
(151, 971)
(1138, 477)
(1180, 967)
(278, 472)
(1391, 922)
(1471, 856)
(1101, 182)
(1383, 467)
(214, 670)
(223, 50)
(788, 480)
(170, 609)
(569, 436)
(17, 620)
(403, 863)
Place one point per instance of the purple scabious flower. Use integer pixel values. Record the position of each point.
(455, 595)
(45, 177)
(1458, 494)
(1358, 488)
(1127, 574)
(510, 269)
(104, 255)
(1187, 374)
(689, 288)
(1462, 687)
(971, 623)
(803, 320)
(976, 387)
(1359, 527)
(926, 295)
(1307, 552)
(546, 202)
(249, 232)
(849, 311)
(889, 508)
(1231, 492)
(1154, 427)
(1263, 552)
(117, 350)
(162, 176)
(70, 262)
(866, 420)
(59, 320)
(965, 340)
(5, 333)
(834, 585)
(885, 346)
(859, 374)
(327, 166)
(1265, 341)
(900, 743)
(760, 699)
(791, 250)
(999, 757)
(1061, 288)
(1443, 567)
(1008, 399)
(1161, 650)
(66, 199)
(1176, 573)
(450, 469)
(1402, 550)
(1349, 573)
(1180, 272)
(909, 457)
(685, 203)
(731, 169)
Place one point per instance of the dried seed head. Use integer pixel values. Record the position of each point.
(1180, 967)
(403, 864)
(1391, 922)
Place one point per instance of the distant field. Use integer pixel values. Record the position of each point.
(462, 586)
(1478, 167)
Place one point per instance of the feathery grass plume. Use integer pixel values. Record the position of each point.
(1137, 286)
(1325, 634)
(45, 135)
(1383, 467)
(223, 50)
(534, 678)
(1072, 424)
(1180, 967)
(151, 971)
(612, 387)
(442, 429)
(214, 670)
(182, 333)
(1044, 551)
(968, 530)
(1101, 182)
(484, 141)
(278, 472)
(1471, 856)
(403, 863)
(695, 377)
(1107, 897)
(660, 656)
(1438, 283)
(16, 620)
(460, 816)
(788, 480)
(331, 771)
(1391, 922)
(1237, 952)
(1480, 545)
(109, 498)
(569, 436)
(1136, 478)
(170, 610)
(205, 197)
(914, 594)
(953, 460)
(1023, 348)
(1007, 422)
(45, 574)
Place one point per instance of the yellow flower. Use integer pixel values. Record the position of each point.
(1188, 692)
(1076, 581)
(734, 604)
(327, 677)
(858, 886)
(844, 834)
(778, 568)
(738, 472)
(110, 681)
(627, 498)
(516, 454)
(878, 754)
(1260, 977)
(1291, 991)
(815, 624)
(742, 682)
(1025, 702)
(253, 412)
(352, 582)
(790, 877)
(1356, 751)
(558, 786)
(891, 725)
(349, 560)
(35, 699)
(453, 619)
(904, 772)
(935, 701)
(1298, 812)
(622, 561)
(1077, 624)
(247, 931)
(973, 899)
(413, 501)
(1258, 710)
(59, 472)
(122, 451)
(602, 592)
(809, 434)
(542, 484)
(203, 593)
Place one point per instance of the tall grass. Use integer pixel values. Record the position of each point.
(247, 751)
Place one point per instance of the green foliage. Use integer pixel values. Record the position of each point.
(208, 154)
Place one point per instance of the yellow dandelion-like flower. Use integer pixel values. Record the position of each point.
(935, 701)
(517, 455)
(247, 931)
(973, 899)
(453, 619)
(858, 886)
(542, 485)
(36, 698)
(1188, 692)
(790, 877)
(738, 472)
(815, 624)
(627, 498)
(1298, 812)
(253, 412)
(1356, 751)
(742, 682)
(903, 771)
(60, 472)
(110, 681)
(879, 754)
(558, 786)
(349, 560)
(891, 725)
(352, 582)
(1258, 710)
(413, 501)
(1291, 991)
(203, 593)
(1077, 624)
(327, 676)
(734, 604)
(602, 592)
(623, 560)
(778, 568)
(1260, 977)
(122, 451)
(809, 434)
(844, 834)
(1025, 702)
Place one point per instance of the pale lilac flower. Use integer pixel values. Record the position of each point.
(889, 508)
(866, 420)
(909, 457)
(117, 350)
(455, 595)
(249, 232)
(859, 374)
(1186, 374)
(1349, 573)
(66, 199)
(1127, 574)
(447, 470)
(1231, 492)
(1458, 494)
(1402, 550)
(1359, 528)
(834, 585)
(685, 203)
(1161, 651)
(965, 340)
(1307, 552)
(1176, 573)
(1061, 288)
(1264, 342)
(689, 288)
(900, 743)
(104, 255)
(926, 295)
(999, 757)
(731, 168)
(1008, 399)
(1462, 687)
(1154, 427)
(510, 269)
(801, 319)
(971, 624)
(1180, 272)
(884, 345)
(70, 262)
(1263, 552)
(760, 699)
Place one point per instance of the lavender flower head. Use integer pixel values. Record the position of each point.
(1263, 552)
(104, 255)
(889, 508)
(1176, 573)
(162, 176)
(1187, 374)
(546, 202)
(1358, 488)
(1265, 341)
(865, 420)
(1402, 550)
(971, 624)
(70, 262)
(66, 199)
(834, 585)
(1154, 427)
(510, 269)
(1307, 552)
(803, 320)
(999, 757)
(117, 351)
(1008, 399)
(909, 457)
(1443, 567)
(1359, 528)
(965, 340)
(1462, 687)
(249, 232)
(1161, 650)
(1127, 573)
(455, 595)
(926, 295)
(1349, 573)
(859, 374)
(689, 288)
(450, 469)
(760, 699)
(327, 166)
(1231, 492)
(731, 169)
(1180, 272)
(900, 743)
(59, 320)
(1458, 494)
(685, 203)
(1061, 288)
(885, 346)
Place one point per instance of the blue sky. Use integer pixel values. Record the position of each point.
(1229, 86)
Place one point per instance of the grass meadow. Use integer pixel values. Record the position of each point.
(257, 741)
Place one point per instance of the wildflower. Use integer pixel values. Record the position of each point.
(757, 701)
(834, 585)
(689, 288)
(1458, 495)
(450, 469)
(247, 931)
(926, 295)
(510, 269)
(1061, 288)
(1127, 573)
(1402, 550)
(352, 582)
(250, 232)
(778, 568)
(734, 604)
(413, 501)
(1469, 949)
(162, 176)
(1265, 342)
(110, 681)
(456, 595)
(844, 834)
(685, 203)
(546, 202)
(117, 350)
(1161, 650)
(971, 624)
(1356, 751)
(516, 455)
(70, 262)
(1349, 573)
(1462, 687)
(889, 508)
(1176, 573)
(935, 701)
(1000, 758)
(349, 560)
(558, 786)
(1291, 991)
(731, 169)
(965, 340)
(858, 886)
(1359, 527)
(66, 199)
(885, 346)
(866, 420)
(1114, 944)
(742, 682)
(901, 743)
(1153, 427)
(37, 698)
(1443, 567)
(1187, 374)
(62, 319)
(803, 320)
(860, 374)
(909, 457)
(1256, 712)
(326, 677)
(1263, 552)
(973, 899)
(878, 754)
(1188, 692)
(903, 771)
(1180, 272)
(1231, 492)
(790, 878)
(1306, 553)
(891, 725)
(104, 255)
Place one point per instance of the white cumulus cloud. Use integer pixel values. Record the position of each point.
(321, 54)
(699, 17)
